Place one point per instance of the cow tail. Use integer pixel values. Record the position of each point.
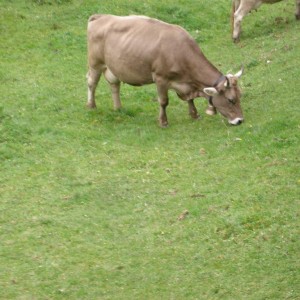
(94, 17)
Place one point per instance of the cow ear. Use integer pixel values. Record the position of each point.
(227, 82)
(210, 91)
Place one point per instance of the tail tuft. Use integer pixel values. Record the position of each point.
(94, 17)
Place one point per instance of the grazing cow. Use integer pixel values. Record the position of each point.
(240, 8)
(138, 50)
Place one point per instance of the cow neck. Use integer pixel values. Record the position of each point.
(206, 72)
(217, 82)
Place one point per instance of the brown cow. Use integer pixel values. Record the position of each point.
(240, 8)
(138, 50)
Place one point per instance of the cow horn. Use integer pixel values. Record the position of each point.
(240, 73)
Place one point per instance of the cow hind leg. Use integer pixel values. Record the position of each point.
(115, 88)
(93, 77)
(193, 110)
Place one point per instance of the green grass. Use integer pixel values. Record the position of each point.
(90, 199)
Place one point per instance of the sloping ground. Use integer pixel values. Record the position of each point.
(93, 203)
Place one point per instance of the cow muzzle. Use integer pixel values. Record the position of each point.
(236, 121)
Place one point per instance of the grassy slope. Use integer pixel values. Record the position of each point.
(90, 200)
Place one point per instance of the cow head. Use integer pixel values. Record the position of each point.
(225, 97)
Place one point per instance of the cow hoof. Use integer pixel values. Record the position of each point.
(211, 111)
(197, 117)
(236, 40)
(91, 105)
(164, 125)
(297, 17)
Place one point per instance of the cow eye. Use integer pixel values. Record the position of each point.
(232, 101)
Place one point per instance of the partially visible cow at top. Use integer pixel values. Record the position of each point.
(240, 8)
(138, 50)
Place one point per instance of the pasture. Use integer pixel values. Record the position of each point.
(92, 203)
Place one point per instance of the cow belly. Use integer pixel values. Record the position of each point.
(136, 75)
(128, 61)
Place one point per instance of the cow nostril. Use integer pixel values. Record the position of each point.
(239, 122)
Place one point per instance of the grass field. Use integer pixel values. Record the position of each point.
(90, 200)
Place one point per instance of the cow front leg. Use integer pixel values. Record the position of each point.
(163, 99)
(240, 13)
(93, 77)
(237, 27)
(297, 14)
(193, 110)
(235, 6)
